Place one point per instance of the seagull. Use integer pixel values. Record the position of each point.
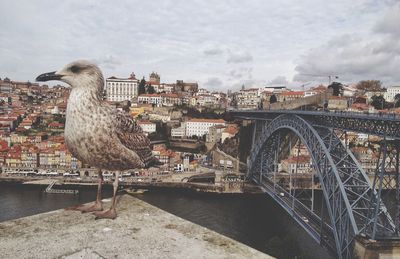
(97, 133)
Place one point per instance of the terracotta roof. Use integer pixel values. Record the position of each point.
(170, 95)
(360, 106)
(231, 129)
(298, 159)
(359, 149)
(3, 145)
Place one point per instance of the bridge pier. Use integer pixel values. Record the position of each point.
(365, 248)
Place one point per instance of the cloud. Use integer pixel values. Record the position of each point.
(234, 74)
(239, 57)
(390, 23)
(108, 61)
(354, 57)
(213, 51)
(213, 40)
(213, 82)
(279, 80)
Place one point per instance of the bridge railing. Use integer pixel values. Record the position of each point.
(352, 114)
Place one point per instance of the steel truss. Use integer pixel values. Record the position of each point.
(347, 191)
(375, 124)
(387, 179)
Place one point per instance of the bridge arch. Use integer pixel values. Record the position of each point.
(346, 188)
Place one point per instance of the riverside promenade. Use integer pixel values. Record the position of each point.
(140, 231)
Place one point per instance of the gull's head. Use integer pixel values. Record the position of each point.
(80, 73)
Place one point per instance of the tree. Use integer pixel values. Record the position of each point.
(273, 99)
(150, 89)
(369, 85)
(379, 102)
(142, 86)
(337, 88)
(397, 100)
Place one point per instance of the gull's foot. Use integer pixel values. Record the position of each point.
(108, 214)
(97, 206)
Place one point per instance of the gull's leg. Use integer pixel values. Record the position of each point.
(110, 213)
(97, 206)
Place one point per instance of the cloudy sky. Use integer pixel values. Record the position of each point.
(220, 44)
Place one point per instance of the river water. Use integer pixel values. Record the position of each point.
(251, 219)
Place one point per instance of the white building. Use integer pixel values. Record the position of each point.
(122, 89)
(310, 93)
(199, 127)
(391, 92)
(179, 132)
(248, 98)
(147, 126)
(164, 99)
(155, 99)
(159, 117)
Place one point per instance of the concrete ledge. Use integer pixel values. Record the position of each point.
(365, 248)
(140, 231)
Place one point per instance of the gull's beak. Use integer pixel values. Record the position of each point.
(48, 76)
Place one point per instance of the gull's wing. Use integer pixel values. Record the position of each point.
(131, 136)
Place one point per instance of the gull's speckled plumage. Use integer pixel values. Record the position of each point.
(97, 133)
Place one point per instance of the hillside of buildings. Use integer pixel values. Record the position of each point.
(186, 122)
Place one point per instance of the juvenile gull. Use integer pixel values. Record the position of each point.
(98, 134)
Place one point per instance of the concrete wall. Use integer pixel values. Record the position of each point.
(294, 104)
(218, 155)
(373, 249)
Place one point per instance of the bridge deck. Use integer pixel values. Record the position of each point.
(379, 124)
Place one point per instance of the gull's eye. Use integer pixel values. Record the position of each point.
(75, 69)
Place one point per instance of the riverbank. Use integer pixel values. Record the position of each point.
(140, 231)
(227, 188)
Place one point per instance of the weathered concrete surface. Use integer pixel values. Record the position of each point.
(140, 231)
(365, 248)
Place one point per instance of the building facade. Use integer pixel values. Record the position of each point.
(200, 127)
(147, 126)
(122, 89)
(391, 93)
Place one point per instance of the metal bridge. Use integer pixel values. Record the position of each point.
(352, 203)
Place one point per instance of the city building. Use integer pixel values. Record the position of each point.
(215, 133)
(229, 132)
(122, 89)
(296, 164)
(391, 93)
(163, 99)
(367, 158)
(155, 99)
(206, 100)
(154, 78)
(275, 89)
(369, 94)
(200, 127)
(338, 103)
(147, 126)
(248, 98)
(290, 95)
(179, 132)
